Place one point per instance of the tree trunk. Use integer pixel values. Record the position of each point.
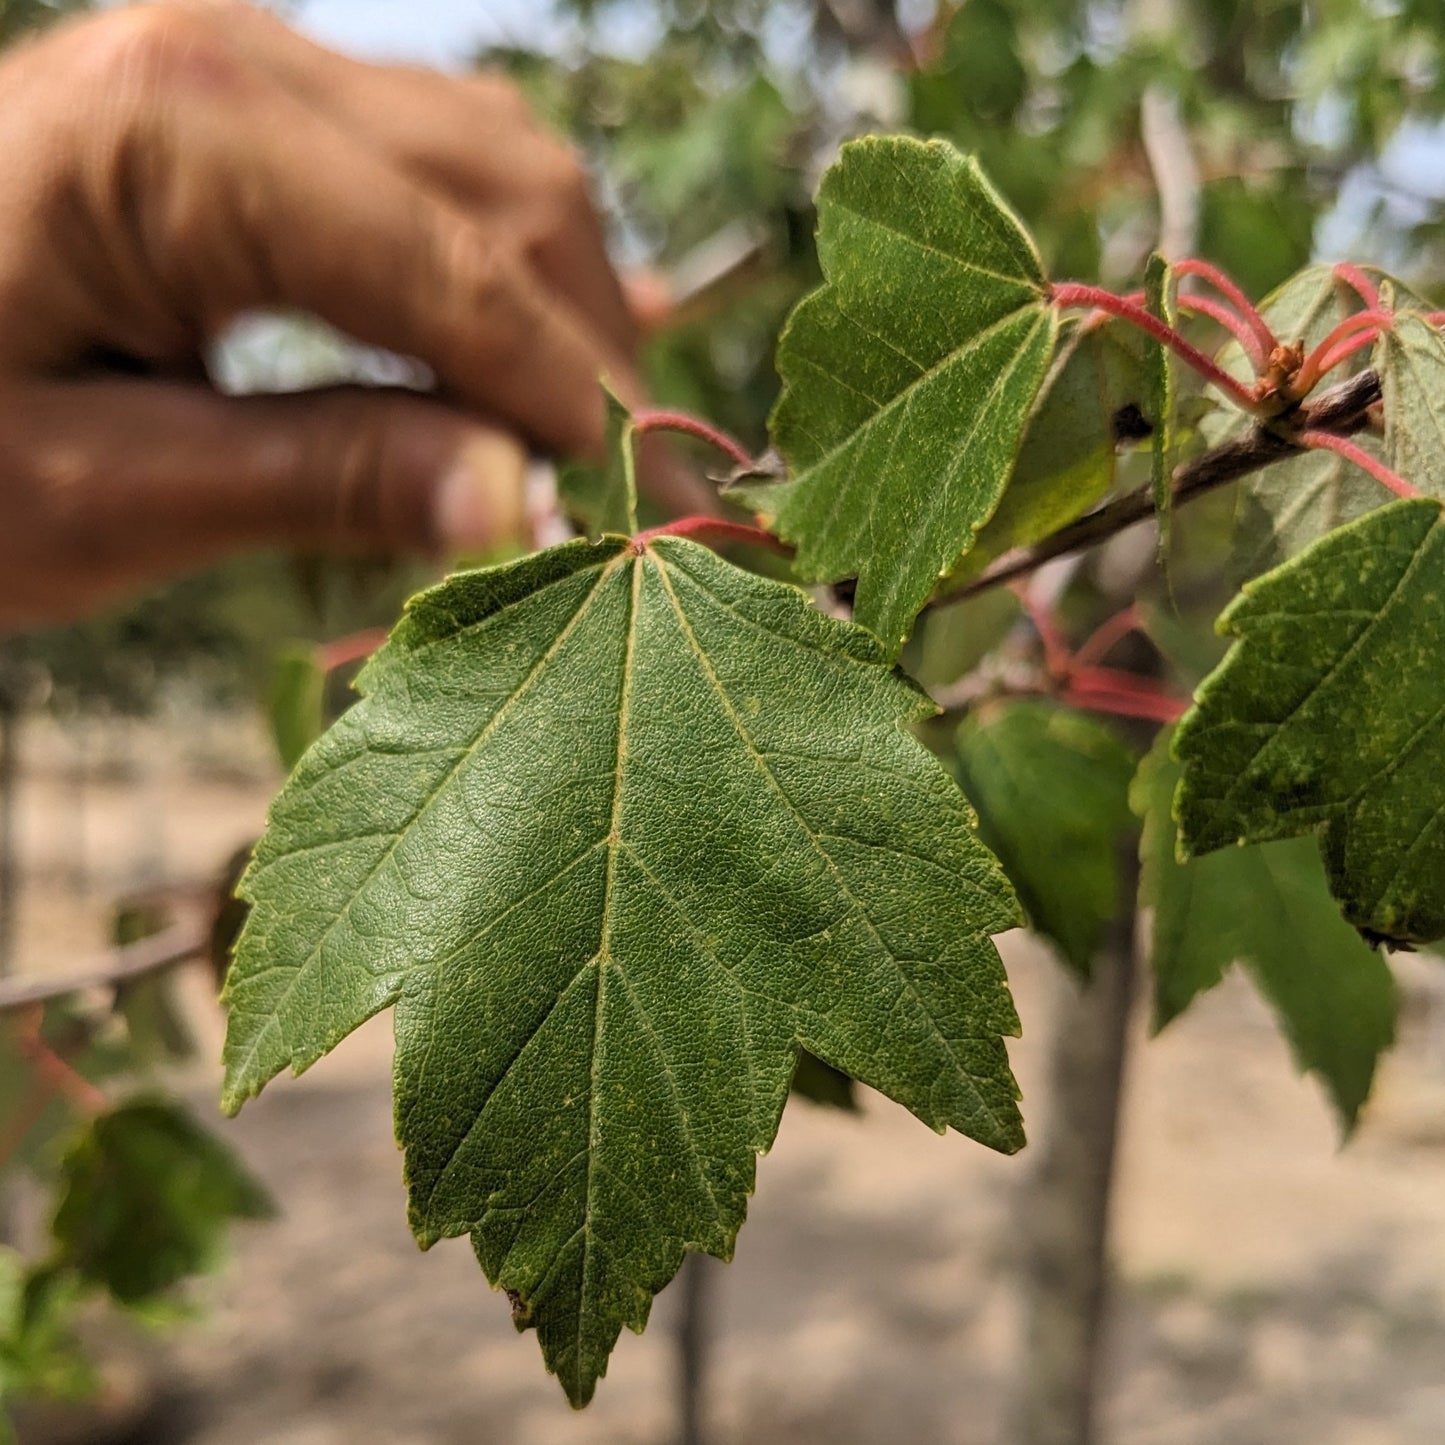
(1065, 1279)
(694, 1339)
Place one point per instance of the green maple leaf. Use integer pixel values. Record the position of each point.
(1267, 907)
(1327, 715)
(617, 832)
(146, 1197)
(1051, 786)
(908, 378)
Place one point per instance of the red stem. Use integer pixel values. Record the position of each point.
(1314, 366)
(1264, 338)
(1361, 284)
(50, 1069)
(679, 421)
(1073, 294)
(1099, 643)
(712, 531)
(1058, 661)
(1153, 707)
(1232, 323)
(1328, 442)
(350, 649)
(1347, 348)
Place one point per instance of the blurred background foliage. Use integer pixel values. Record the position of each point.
(1315, 129)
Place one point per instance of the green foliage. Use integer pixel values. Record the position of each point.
(1160, 394)
(617, 833)
(1052, 791)
(147, 1195)
(1094, 398)
(604, 498)
(908, 379)
(1268, 908)
(297, 703)
(1326, 716)
(1410, 357)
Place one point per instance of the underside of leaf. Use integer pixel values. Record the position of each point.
(618, 831)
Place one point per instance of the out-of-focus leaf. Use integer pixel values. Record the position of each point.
(1268, 907)
(295, 705)
(147, 1197)
(1410, 358)
(1051, 786)
(821, 1083)
(603, 498)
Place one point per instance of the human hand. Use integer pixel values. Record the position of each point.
(174, 164)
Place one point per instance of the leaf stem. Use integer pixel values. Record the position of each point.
(712, 532)
(1359, 283)
(1341, 410)
(57, 1075)
(1070, 293)
(1342, 446)
(1259, 328)
(1314, 365)
(680, 421)
(1101, 641)
(1231, 323)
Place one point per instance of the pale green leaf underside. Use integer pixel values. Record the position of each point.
(1410, 358)
(908, 378)
(1267, 907)
(1052, 791)
(617, 834)
(1329, 714)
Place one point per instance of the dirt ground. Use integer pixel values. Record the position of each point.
(1274, 1289)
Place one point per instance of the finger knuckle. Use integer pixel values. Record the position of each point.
(490, 282)
(152, 49)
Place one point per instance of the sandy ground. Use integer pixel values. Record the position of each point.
(1275, 1290)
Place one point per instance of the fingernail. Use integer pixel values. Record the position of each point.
(481, 500)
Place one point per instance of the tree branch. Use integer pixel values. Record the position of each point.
(1341, 410)
(140, 960)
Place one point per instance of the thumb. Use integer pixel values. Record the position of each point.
(108, 485)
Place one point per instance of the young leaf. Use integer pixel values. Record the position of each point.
(1327, 715)
(604, 498)
(1267, 907)
(1051, 786)
(908, 378)
(617, 832)
(146, 1197)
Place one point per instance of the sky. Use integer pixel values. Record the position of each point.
(434, 32)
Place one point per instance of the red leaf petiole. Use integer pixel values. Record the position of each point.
(1265, 340)
(711, 531)
(1067, 294)
(1343, 446)
(680, 421)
